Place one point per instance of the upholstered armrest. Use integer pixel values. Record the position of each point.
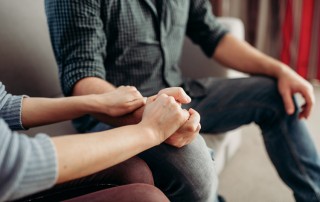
(195, 64)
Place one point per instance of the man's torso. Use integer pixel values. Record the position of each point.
(144, 46)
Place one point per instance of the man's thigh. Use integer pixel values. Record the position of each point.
(230, 103)
(184, 174)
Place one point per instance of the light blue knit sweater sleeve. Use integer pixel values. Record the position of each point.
(10, 108)
(27, 165)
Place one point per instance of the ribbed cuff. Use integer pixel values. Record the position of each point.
(12, 114)
(41, 167)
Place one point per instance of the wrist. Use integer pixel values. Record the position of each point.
(93, 104)
(280, 69)
(152, 134)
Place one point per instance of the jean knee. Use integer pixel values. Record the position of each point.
(184, 174)
(199, 175)
(268, 99)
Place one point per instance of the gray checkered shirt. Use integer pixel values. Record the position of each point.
(128, 42)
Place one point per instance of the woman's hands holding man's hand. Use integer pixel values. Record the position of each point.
(176, 126)
(162, 112)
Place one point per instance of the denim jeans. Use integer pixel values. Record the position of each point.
(185, 174)
(188, 174)
(231, 103)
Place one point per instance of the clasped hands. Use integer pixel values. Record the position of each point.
(161, 113)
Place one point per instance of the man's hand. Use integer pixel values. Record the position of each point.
(178, 93)
(187, 132)
(121, 101)
(290, 83)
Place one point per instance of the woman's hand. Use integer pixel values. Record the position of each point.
(164, 116)
(121, 101)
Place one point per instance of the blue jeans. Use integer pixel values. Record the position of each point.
(188, 174)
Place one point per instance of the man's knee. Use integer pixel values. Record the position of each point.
(185, 174)
(267, 94)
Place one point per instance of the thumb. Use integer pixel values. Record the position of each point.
(194, 117)
(178, 93)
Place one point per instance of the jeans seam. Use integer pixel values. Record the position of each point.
(298, 162)
(249, 105)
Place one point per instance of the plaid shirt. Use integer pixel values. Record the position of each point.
(128, 42)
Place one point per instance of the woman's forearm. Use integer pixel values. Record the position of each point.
(82, 155)
(41, 111)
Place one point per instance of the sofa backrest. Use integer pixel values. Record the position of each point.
(27, 64)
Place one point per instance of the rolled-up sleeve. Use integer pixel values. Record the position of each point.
(203, 28)
(78, 39)
(27, 165)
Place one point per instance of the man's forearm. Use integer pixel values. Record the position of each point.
(241, 56)
(92, 85)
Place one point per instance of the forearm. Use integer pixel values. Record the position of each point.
(42, 111)
(97, 151)
(92, 85)
(241, 56)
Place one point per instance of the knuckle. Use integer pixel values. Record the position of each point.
(161, 92)
(172, 100)
(180, 90)
(191, 128)
(136, 94)
(121, 87)
(133, 88)
(163, 97)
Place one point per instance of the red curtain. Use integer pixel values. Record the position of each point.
(305, 37)
(306, 58)
(288, 30)
(287, 33)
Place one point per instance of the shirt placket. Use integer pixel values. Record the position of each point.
(163, 43)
